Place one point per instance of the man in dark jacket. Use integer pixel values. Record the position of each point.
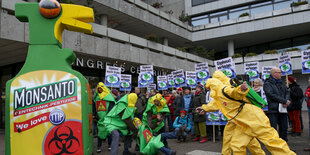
(141, 103)
(199, 117)
(296, 96)
(278, 99)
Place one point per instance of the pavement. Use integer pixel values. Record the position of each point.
(209, 148)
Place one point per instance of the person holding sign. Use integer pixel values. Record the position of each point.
(104, 101)
(249, 119)
(199, 117)
(278, 100)
(153, 115)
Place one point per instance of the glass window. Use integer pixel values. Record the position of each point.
(237, 14)
(214, 20)
(200, 22)
(261, 4)
(218, 13)
(258, 48)
(302, 42)
(281, 44)
(238, 9)
(222, 18)
(199, 17)
(262, 9)
(197, 2)
(282, 5)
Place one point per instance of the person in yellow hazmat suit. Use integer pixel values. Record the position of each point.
(248, 118)
(230, 131)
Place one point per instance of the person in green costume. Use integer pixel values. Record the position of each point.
(153, 114)
(148, 143)
(119, 120)
(104, 101)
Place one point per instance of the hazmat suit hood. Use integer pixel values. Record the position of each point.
(105, 91)
(162, 101)
(222, 77)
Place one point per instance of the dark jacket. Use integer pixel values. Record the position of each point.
(296, 97)
(198, 101)
(276, 92)
(179, 104)
(140, 104)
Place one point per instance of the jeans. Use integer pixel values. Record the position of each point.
(99, 144)
(169, 122)
(165, 150)
(281, 120)
(115, 141)
(180, 132)
(192, 124)
(167, 135)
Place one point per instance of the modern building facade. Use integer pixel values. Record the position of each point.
(122, 26)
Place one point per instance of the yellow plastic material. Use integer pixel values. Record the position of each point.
(160, 99)
(229, 130)
(74, 18)
(251, 121)
(132, 99)
(105, 91)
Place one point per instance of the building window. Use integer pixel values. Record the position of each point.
(234, 13)
(200, 2)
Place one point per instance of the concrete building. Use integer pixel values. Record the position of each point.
(121, 27)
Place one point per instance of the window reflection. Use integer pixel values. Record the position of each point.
(233, 13)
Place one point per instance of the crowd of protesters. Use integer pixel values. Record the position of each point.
(184, 121)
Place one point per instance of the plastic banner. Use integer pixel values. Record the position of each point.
(152, 86)
(266, 72)
(285, 64)
(141, 83)
(264, 97)
(125, 82)
(216, 118)
(191, 79)
(227, 66)
(147, 73)
(305, 57)
(202, 71)
(171, 83)
(162, 82)
(112, 76)
(252, 70)
(179, 78)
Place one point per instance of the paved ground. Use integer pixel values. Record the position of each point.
(208, 148)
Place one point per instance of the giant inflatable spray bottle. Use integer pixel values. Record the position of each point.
(48, 104)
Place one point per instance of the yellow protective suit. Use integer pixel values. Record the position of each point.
(251, 120)
(230, 130)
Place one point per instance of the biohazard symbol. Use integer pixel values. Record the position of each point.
(63, 142)
(101, 106)
(147, 135)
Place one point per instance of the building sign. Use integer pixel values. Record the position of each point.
(266, 72)
(191, 79)
(305, 63)
(171, 83)
(112, 76)
(252, 70)
(179, 78)
(125, 82)
(202, 71)
(227, 66)
(162, 82)
(285, 64)
(98, 64)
